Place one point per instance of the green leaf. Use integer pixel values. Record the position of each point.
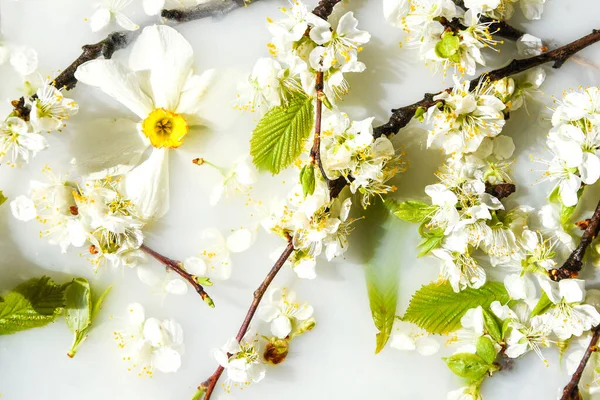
(468, 365)
(448, 46)
(3, 198)
(382, 272)
(419, 114)
(278, 137)
(542, 305)
(432, 239)
(486, 350)
(307, 179)
(491, 325)
(80, 311)
(32, 304)
(410, 211)
(438, 309)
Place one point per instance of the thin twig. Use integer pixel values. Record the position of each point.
(215, 8)
(402, 116)
(315, 152)
(209, 385)
(176, 267)
(571, 391)
(571, 267)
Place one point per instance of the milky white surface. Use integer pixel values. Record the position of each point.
(336, 360)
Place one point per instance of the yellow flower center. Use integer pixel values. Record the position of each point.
(165, 128)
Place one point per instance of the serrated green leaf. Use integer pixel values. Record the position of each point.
(278, 137)
(382, 271)
(410, 211)
(542, 305)
(485, 349)
(468, 365)
(32, 304)
(448, 46)
(438, 309)
(307, 179)
(3, 198)
(492, 326)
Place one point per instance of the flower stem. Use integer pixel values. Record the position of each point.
(574, 263)
(209, 385)
(571, 391)
(402, 116)
(176, 266)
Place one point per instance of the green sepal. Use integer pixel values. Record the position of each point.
(307, 179)
(486, 350)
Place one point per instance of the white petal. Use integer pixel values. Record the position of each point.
(306, 269)
(116, 81)
(590, 168)
(153, 7)
(427, 346)
(125, 22)
(395, 10)
(195, 266)
(23, 208)
(268, 313)
(164, 52)
(135, 314)
(106, 147)
(173, 331)
(572, 290)
(239, 240)
(100, 19)
(147, 185)
(176, 286)
(281, 327)
(166, 360)
(304, 312)
(152, 331)
(24, 60)
(401, 341)
(192, 94)
(148, 275)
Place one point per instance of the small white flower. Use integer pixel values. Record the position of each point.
(407, 337)
(532, 9)
(24, 60)
(150, 344)
(238, 179)
(50, 108)
(241, 360)
(23, 208)
(282, 311)
(18, 142)
(108, 10)
(460, 269)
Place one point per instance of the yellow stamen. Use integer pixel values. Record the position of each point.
(165, 128)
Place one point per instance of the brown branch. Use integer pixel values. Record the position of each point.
(315, 151)
(571, 391)
(402, 116)
(215, 8)
(208, 386)
(571, 267)
(176, 267)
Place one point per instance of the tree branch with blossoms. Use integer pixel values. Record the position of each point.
(402, 116)
(571, 390)
(214, 8)
(177, 267)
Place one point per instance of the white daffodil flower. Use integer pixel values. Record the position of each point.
(19, 142)
(109, 9)
(150, 344)
(241, 360)
(159, 86)
(407, 337)
(283, 312)
(568, 317)
(214, 260)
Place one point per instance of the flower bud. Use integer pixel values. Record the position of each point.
(305, 326)
(276, 350)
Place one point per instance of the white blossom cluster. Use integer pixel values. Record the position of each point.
(297, 56)
(92, 212)
(317, 223)
(574, 141)
(21, 138)
(244, 361)
(449, 37)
